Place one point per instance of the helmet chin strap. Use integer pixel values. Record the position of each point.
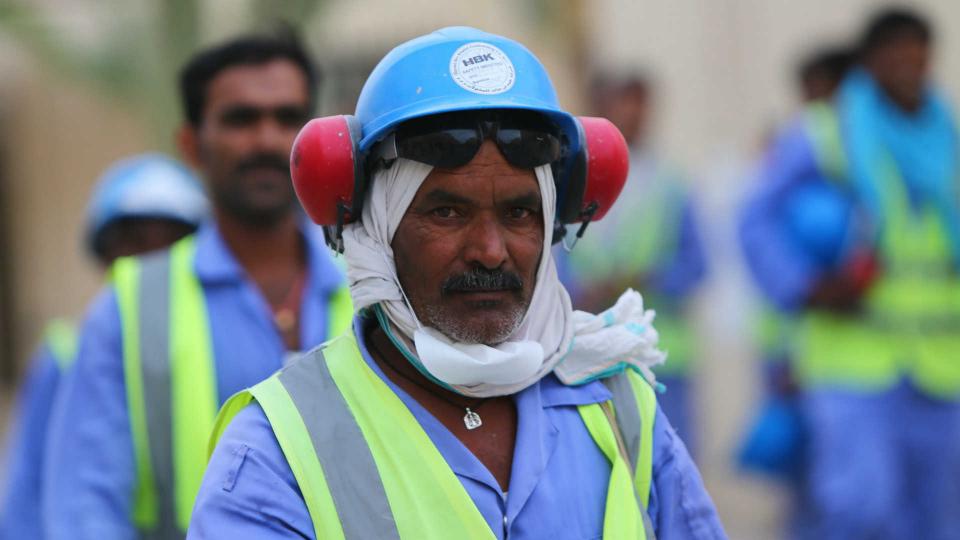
(587, 218)
(403, 293)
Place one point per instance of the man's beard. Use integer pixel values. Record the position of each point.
(453, 327)
(479, 280)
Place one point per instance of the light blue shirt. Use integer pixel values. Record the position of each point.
(558, 482)
(20, 515)
(782, 270)
(90, 473)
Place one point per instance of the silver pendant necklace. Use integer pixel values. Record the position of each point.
(471, 420)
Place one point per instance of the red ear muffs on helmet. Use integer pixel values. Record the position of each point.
(595, 178)
(327, 173)
(329, 179)
(608, 163)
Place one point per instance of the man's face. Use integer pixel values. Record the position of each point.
(136, 236)
(629, 110)
(901, 68)
(251, 117)
(819, 85)
(468, 247)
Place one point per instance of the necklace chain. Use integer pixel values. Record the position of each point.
(285, 312)
(471, 420)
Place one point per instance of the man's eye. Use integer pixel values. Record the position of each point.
(519, 212)
(240, 117)
(292, 117)
(444, 212)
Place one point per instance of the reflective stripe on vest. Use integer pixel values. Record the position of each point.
(169, 371)
(60, 337)
(635, 407)
(367, 469)
(170, 380)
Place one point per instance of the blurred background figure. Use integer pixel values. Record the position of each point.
(177, 333)
(855, 230)
(775, 443)
(141, 204)
(649, 241)
(820, 74)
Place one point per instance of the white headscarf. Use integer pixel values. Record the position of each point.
(578, 346)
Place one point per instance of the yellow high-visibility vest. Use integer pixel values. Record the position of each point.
(170, 380)
(367, 469)
(911, 320)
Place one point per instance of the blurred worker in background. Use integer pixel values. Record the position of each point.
(140, 204)
(820, 74)
(856, 230)
(650, 241)
(447, 412)
(775, 443)
(178, 332)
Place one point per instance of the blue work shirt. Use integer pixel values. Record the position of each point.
(20, 515)
(558, 483)
(90, 473)
(783, 271)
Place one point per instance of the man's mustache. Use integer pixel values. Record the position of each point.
(481, 280)
(265, 161)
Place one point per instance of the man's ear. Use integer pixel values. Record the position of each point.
(188, 142)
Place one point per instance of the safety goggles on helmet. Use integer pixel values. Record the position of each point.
(450, 140)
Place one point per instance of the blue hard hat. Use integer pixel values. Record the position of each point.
(818, 217)
(775, 442)
(145, 186)
(454, 69)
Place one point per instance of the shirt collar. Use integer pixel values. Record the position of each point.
(554, 393)
(213, 260)
(216, 263)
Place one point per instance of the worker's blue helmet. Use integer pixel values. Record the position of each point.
(448, 71)
(454, 69)
(145, 186)
(818, 220)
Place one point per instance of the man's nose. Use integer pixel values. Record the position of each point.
(272, 136)
(485, 243)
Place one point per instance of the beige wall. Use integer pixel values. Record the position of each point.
(725, 67)
(60, 137)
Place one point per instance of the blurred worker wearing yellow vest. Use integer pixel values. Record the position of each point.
(650, 241)
(141, 204)
(859, 234)
(180, 331)
(775, 442)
